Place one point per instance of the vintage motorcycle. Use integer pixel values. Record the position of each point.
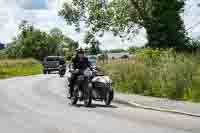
(82, 88)
(92, 86)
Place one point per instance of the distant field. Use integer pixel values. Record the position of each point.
(19, 67)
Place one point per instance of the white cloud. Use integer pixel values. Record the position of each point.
(8, 26)
(8, 31)
(192, 18)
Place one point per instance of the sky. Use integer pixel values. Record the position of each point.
(44, 15)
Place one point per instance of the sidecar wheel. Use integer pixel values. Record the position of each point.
(109, 97)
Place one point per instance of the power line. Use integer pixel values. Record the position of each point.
(194, 26)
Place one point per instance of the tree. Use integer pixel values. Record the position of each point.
(32, 42)
(94, 44)
(71, 44)
(94, 49)
(117, 50)
(160, 18)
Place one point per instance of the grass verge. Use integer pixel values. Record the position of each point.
(158, 73)
(19, 67)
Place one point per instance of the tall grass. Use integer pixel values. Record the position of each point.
(19, 67)
(160, 73)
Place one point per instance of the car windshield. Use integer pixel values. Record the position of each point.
(52, 59)
(92, 60)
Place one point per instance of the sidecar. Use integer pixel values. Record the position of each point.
(102, 89)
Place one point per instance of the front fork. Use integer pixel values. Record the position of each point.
(87, 89)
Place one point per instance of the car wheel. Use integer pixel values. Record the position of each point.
(44, 72)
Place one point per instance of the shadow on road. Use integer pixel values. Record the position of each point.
(95, 106)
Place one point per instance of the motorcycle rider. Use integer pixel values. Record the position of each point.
(80, 62)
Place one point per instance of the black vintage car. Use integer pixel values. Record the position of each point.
(54, 63)
(2, 46)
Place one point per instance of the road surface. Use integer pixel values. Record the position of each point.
(38, 104)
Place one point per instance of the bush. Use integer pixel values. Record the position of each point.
(160, 73)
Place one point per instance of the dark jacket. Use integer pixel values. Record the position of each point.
(81, 64)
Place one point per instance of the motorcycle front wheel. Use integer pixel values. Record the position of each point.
(74, 97)
(88, 102)
(88, 97)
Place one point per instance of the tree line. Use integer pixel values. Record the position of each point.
(32, 42)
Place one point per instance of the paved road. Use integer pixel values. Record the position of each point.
(38, 104)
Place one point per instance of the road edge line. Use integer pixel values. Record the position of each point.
(136, 105)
